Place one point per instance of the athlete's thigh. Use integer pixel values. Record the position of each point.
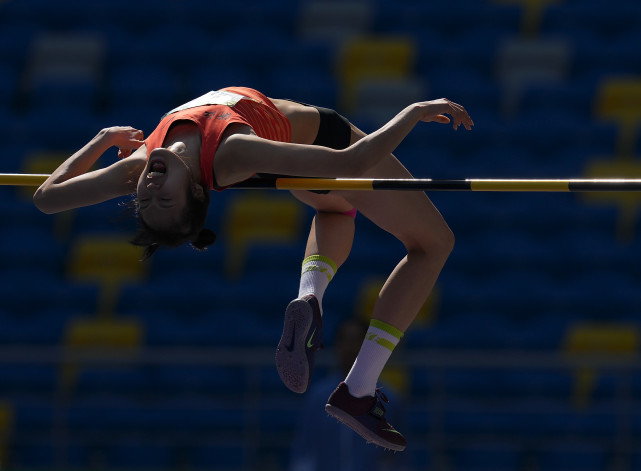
(408, 215)
(331, 202)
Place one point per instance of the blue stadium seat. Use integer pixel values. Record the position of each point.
(34, 453)
(465, 85)
(27, 245)
(573, 95)
(228, 454)
(487, 455)
(138, 85)
(8, 88)
(575, 16)
(210, 76)
(571, 456)
(45, 326)
(28, 380)
(199, 380)
(140, 454)
(32, 292)
(15, 35)
(531, 384)
(314, 85)
(35, 128)
(107, 379)
(32, 416)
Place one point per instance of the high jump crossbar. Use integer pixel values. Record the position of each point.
(416, 184)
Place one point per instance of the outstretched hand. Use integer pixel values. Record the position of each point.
(125, 138)
(436, 110)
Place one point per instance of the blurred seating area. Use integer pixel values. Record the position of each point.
(525, 357)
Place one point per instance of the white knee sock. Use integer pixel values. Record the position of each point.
(316, 273)
(380, 340)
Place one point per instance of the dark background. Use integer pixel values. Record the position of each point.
(524, 358)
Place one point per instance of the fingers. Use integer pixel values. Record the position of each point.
(460, 116)
(437, 110)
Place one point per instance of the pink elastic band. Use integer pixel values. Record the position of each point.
(352, 212)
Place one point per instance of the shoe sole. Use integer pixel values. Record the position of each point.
(292, 365)
(356, 426)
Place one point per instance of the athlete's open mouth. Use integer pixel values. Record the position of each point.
(157, 169)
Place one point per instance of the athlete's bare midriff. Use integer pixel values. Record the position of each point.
(303, 119)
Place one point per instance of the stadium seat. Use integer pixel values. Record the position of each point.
(32, 291)
(15, 37)
(532, 13)
(314, 85)
(65, 68)
(31, 244)
(119, 336)
(334, 22)
(376, 101)
(36, 134)
(372, 58)
(572, 17)
(107, 261)
(138, 85)
(227, 454)
(626, 203)
(568, 455)
(8, 86)
(258, 218)
(207, 77)
(610, 339)
(618, 99)
(522, 62)
(140, 454)
(487, 455)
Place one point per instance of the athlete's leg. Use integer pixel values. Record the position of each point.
(328, 246)
(413, 219)
(332, 230)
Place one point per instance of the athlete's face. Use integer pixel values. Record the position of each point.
(163, 189)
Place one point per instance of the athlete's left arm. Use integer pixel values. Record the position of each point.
(242, 154)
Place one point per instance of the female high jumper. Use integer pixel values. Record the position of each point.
(229, 135)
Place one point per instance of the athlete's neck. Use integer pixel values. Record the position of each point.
(184, 139)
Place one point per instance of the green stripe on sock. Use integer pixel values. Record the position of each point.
(321, 258)
(390, 329)
(385, 343)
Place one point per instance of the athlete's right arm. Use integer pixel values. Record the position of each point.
(71, 185)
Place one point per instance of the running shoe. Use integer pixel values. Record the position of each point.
(302, 336)
(366, 416)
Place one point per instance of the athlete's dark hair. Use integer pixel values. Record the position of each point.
(191, 228)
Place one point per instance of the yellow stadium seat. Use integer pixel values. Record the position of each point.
(255, 218)
(397, 377)
(46, 163)
(113, 333)
(91, 335)
(368, 295)
(6, 430)
(628, 203)
(618, 340)
(108, 261)
(618, 100)
(373, 58)
(532, 14)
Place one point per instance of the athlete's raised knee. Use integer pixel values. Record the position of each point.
(433, 242)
